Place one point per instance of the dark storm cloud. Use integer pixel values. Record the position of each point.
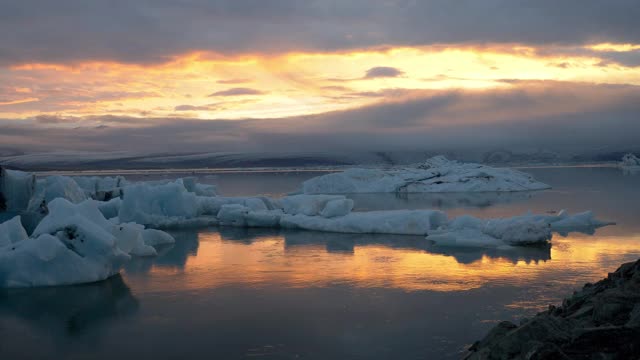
(155, 30)
(237, 92)
(534, 113)
(382, 72)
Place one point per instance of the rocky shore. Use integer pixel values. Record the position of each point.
(602, 321)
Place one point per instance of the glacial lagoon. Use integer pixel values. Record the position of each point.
(232, 293)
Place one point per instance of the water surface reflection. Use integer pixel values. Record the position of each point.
(235, 293)
(267, 257)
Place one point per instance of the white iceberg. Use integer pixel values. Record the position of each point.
(518, 230)
(73, 244)
(630, 162)
(16, 189)
(401, 222)
(54, 187)
(437, 174)
(312, 205)
(11, 232)
(101, 188)
(162, 206)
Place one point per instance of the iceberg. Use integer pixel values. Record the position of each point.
(171, 205)
(163, 206)
(400, 222)
(529, 229)
(73, 244)
(630, 162)
(101, 188)
(16, 189)
(11, 232)
(437, 174)
(53, 187)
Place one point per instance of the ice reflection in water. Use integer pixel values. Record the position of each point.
(263, 257)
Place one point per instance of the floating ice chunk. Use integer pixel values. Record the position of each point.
(337, 207)
(402, 222)
(73, 244)
(101, 188)
(630, 161)
(16, 189)
(191, 184)
(63, 213)
(153, 237)
(131, 241)
(436, 175)
(109, 208)
(11, 232)
(519, 230)
(470, 237)
(53, 187)
(264, 218)
(583, 222)
(205, 190)
(80, 253)
(157, 205)
(62, 187)
(309, 205)
(255, 204)
(233, 214)
(437, 161)
(131, 238)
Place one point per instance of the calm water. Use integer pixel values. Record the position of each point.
(258, 293)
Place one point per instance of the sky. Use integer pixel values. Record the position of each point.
(286, 75)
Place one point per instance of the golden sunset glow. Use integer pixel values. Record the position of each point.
(614, 47)
(207, 85)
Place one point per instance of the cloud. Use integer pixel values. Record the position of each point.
(194, 108)
(54, 119)
(538, 114)
(237, 92)
(383, 72)
(143, 31)
(234, 81)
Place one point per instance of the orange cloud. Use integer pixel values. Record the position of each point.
(291, 84)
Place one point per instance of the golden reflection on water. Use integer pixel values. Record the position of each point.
(281, 260)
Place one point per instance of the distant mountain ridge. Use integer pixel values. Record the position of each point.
(125, 160)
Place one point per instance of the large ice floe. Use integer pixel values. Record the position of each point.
(74, 243)
(171, 205)
(437, 174)
(87, 228)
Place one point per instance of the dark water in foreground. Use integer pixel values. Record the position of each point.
(255, 293)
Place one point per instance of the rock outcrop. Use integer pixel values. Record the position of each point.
(602, 321)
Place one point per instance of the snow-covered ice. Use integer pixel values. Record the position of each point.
(401, 222)
(162, 206)
(518, 230)
(437, 174)
(53, 187)
(73, 244)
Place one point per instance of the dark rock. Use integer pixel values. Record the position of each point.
(601, 321)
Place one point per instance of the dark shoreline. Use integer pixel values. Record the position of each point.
(601, 321)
